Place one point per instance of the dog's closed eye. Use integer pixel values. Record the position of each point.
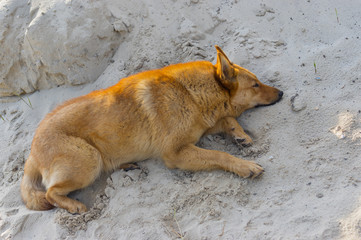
(255, 85)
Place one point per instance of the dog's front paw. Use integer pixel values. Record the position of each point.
(243, 142)
(255, 171)
(77, 208)
(249, 169)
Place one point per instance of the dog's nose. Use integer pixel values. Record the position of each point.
(280, 94)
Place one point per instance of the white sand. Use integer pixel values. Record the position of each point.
(309, 143)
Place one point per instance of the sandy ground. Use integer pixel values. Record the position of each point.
(309, 143)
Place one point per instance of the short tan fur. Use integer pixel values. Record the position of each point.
(154, 114)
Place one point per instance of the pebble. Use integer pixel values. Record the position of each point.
(100, 205)
(88, 217)
(119, 26)
(319, 195)
(297, 104)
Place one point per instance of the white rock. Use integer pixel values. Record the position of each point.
(54, 43)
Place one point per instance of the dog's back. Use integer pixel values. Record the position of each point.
(142, 114)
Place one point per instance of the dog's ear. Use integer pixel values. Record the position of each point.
(225, 70)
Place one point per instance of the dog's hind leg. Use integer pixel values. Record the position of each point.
(190, 157)
(78, 166)
(230, 126)
(56, 195)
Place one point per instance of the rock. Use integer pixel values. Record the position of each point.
(319, 195)
(297, 104)
(50, 43)
(119, 26)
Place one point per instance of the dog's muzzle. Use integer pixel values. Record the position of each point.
(280, 95)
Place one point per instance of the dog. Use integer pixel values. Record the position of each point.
(154, 114)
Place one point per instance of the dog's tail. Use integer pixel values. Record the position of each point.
(31, 193)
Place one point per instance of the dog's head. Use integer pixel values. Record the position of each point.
(246, 90)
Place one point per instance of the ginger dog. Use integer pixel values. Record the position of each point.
(154, 114)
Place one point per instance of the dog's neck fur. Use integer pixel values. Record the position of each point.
(207, 91)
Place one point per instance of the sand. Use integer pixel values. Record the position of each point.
(309, 143)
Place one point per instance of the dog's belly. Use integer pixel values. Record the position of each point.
(123, 147)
